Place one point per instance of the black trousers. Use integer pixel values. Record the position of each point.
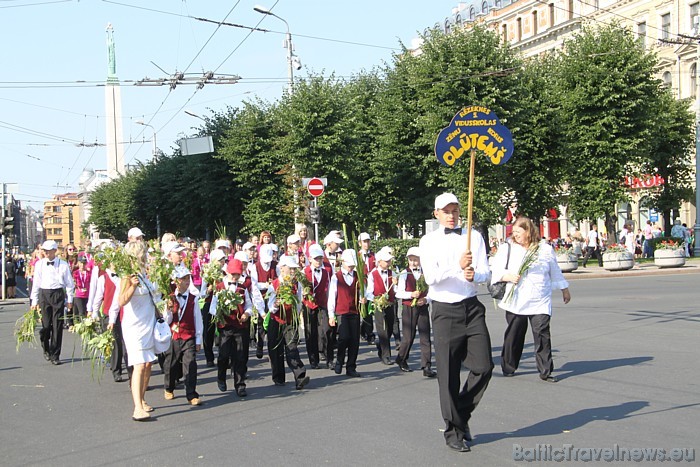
(385, 324)
(181, 358)
(348, 339)
(367, 328)
(208, 331)
(80, 307)
(327, 338)
(590, 251)
(514, 341)
(396, 330)
(313, 334)
(283, 340)
(118, 349)
(233, 353)
(52, 302)
(415, 317)
(461, 337)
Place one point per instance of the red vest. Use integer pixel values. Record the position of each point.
(185, 325)
(109, 292)
(379, 288)
(232, 320)
(284, 317)
(318, 289)
(370, 263)
(411, 287)
(345, 298)
(266, 276)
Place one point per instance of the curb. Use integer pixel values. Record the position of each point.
(637, 271)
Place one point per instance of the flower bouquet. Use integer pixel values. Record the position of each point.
(160, 272)
(530, 258)
(99, 349)
(122, 264)
(86, 329)
(25, 326)
(227, 302)
(381, 302)
(421, 286)
(306, 287)
(212, 273)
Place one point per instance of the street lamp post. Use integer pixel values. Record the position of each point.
(155, 145)
(696, 227)
(292, 61)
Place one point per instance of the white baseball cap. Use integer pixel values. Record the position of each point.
(217, 255)
(294, 238)
(290, 261)
(384, 255)
(170, 247)
(332, 238)
(181, 271)
(363, 236)
(134, 232)
(241, 256)
(445, 199)
(349, 257)
(315, 250)
(266, 253)
(247, 246)
(221, 243)
(49, 245)
(413, 251)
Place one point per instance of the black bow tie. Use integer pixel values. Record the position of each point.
(456, 230)
(317, 269)
(182, 295)
(113, 274)
(50, 263)
(416, 270)
(384, 272)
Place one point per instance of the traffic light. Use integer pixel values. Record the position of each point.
(314, 215)
(7, 225)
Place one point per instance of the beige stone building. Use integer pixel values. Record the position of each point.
(62, 219)
(534, 27)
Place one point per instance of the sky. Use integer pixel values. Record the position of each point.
(53, 66)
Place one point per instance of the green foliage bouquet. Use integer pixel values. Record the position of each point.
(227, 302)
(25, 326)
(530, 258)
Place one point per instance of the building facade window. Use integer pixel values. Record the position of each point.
(472, 13)
(534, 23)
(498, 3)
(665, 26)
(694, 11)
(484, 7)
(519, 29)
(571, 9)
(642, 33)
(458, 19)
(693, 79)
(504, 32)
(667, 79)
(448, 29)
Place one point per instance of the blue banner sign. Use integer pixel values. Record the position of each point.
(474, 127)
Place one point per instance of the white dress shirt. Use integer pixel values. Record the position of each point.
(440, 254)
(50, 277)
(384, 274)
(401, 292)
(348, 277)
(272, 296)
(533, 294)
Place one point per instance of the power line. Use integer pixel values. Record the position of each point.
(35, 4)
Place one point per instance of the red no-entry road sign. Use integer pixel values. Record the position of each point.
(315, 187)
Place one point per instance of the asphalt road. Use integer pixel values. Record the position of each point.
(625, 351)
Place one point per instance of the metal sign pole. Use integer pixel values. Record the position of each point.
(316, 223)
(3, 242)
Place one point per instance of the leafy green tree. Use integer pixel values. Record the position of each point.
(113, 206)
(604, 84)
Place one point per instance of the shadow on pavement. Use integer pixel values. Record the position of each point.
(571, 369)
(555, 426)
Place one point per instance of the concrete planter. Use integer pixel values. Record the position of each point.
(618, 261)
(669, 258)
(567, 263)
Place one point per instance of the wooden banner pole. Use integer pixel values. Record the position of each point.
(470, 205)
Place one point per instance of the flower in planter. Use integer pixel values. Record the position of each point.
(616, 248)
(563, 251)
(668, 245)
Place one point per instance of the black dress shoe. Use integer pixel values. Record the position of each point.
(458, 445)
(259, 354)
(338, 368)
(387, 362)
(55, 361)
(353, 374)
(241, 392)
(550, 379)
(221, 385)
(429, 373)
(210, 364)
(303, 382)
(118, 379)
(508, 375)
(279, 383)
(47, 357)
(314, 366)
(404, 366)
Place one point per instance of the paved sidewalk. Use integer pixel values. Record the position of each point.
(593, 271)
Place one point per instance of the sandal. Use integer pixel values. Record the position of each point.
(146, 407)
(138, 417)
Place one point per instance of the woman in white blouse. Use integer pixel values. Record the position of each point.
(531, 299)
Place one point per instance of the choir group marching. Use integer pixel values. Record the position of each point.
(235, 296)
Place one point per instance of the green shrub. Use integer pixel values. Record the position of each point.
(399, 246)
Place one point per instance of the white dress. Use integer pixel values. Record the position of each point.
(138, 323)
